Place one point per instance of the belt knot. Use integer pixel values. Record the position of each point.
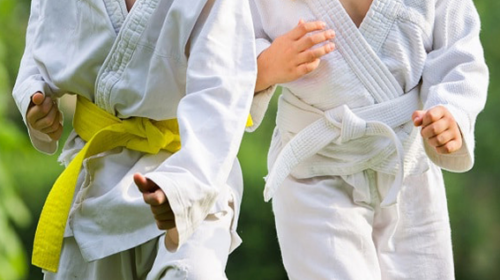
(350, 126)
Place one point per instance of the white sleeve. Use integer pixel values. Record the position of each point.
(220, 81)
(456, 76)
(29, 81)
(262, 98)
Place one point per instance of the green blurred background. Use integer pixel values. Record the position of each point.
(26, 176)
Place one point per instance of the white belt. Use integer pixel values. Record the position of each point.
(337, 127)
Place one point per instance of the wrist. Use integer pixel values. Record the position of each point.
(264, 74)
(261, 84)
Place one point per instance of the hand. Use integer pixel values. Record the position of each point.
(44, 115)
(157, 200)
(439, 129)
(292, 55)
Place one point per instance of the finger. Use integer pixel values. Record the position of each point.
(165, 225)
(48, 103)
(307, 42)
(434, 128)
(47, 121)
(313, 54)
(140, 182)
(155, 198)
(450, 147)
(55, 126)
(38, 112)
(144, 184)
(303, 28)
(441, 139)
(52, 128)
(34, 114)
(165, 216)
(433, 115)
(46, 107)
(56, 135)
(306, 68)
(37, 98)
(417, 117)
(161, 209)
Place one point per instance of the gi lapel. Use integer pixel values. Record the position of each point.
(359, 46)
(121, 52)
(147, 23)
(117, 13)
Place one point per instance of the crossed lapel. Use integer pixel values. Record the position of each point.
(359, 47)
(121, 52)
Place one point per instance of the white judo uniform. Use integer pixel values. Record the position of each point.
(357, 194)
(165, 59)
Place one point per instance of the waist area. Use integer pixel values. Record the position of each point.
(354, 139)
(94, 124)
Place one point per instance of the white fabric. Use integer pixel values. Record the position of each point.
(338, 231)
(190, 60)
(330, 224)
(205, 253)
(336, 128)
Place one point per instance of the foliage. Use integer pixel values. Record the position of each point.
(13, 264)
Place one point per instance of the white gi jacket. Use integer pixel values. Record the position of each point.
(164, 59)
(430, 49)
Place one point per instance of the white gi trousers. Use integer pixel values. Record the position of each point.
(203, 256)
(331, 229)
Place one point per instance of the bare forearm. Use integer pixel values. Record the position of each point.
(263, 81)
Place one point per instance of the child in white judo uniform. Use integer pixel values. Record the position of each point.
(377, 97)
(164, 89)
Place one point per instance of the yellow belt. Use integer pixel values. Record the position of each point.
(103, 132)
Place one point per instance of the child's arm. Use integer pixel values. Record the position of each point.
(220, 79)
(285, 58)
(455, 77)
(293, 54)
(44, 132)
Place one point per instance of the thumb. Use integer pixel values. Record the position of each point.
(37, 98)
(144, 184)
(418, 117)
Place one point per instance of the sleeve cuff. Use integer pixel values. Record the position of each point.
(260, 103)
(260, 45)
(41, 141)
(188, 213)
(463, 159)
